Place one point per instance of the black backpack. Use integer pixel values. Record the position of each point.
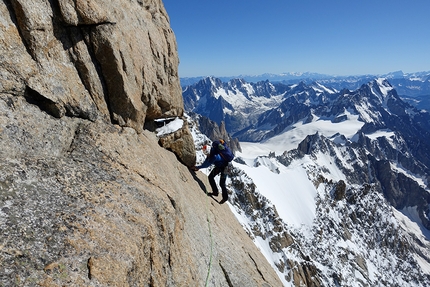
(223, 150)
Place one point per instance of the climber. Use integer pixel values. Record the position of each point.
(219, 155)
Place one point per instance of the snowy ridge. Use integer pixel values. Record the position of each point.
(350, 231)
(317, 196)
(411, 84)
(335, 238)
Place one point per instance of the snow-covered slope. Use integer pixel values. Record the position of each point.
(340, 196)
(348, 232)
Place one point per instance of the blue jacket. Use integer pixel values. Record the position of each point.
(215, 159)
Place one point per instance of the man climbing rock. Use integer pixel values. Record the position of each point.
(220, 155)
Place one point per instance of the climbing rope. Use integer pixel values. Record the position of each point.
(210, 236)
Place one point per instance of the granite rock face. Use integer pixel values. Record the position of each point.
(88, 197)
(94, 204)
(111, 59)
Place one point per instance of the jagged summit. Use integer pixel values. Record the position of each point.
(257, 111)
(333, 185)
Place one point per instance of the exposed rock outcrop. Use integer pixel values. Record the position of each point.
(92, 204)
(92, 59)
(87, 196)
(181, 142)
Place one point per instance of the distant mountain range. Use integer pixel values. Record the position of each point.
(338, 191)
(252, 110)
(406, 84)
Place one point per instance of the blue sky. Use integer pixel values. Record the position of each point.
(335, 37)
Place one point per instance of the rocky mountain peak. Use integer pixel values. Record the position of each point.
(366, 152)
(381, 86)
